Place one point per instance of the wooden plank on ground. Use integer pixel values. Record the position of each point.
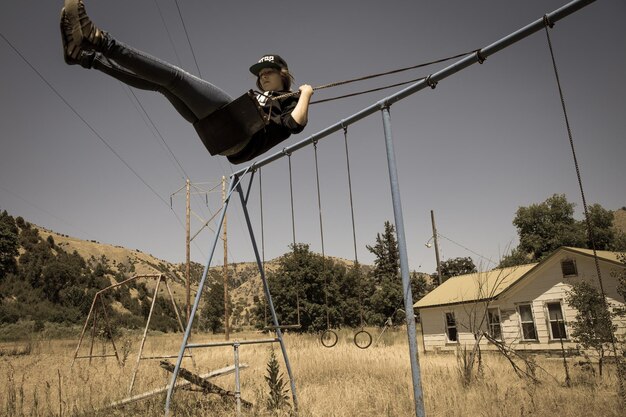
(207, 387)
(213, 374)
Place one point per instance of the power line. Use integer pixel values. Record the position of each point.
(180, 14)
(467, 249)
(60, 96)
(182, 20)
(158, 132)
(168, 33)
(45, 211)
(188, 39)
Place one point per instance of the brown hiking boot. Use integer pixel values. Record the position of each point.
(82, 27)
(72, 52)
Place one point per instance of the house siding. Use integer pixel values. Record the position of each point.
(545, 284)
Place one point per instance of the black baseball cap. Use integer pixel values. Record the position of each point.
(268, 61)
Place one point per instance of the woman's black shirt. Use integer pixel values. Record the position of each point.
(279, 128)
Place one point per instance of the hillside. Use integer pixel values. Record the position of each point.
(82, 268)
(244, 277)
(118, 259)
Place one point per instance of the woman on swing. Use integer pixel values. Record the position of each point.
(194, 99)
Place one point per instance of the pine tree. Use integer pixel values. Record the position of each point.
(387, 295)
(387, 262)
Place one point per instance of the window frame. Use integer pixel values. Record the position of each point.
(490, 324)
(573, 261)
(549, 321)
(521, 323)
(447, 327)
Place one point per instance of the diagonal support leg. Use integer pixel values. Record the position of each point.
(268, 297)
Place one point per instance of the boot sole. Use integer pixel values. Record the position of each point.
(70, 53)
(71, 11)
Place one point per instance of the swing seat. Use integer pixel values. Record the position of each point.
(283, 326)
(232, 124)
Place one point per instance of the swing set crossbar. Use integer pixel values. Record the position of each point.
(431, 81)
(236, 342)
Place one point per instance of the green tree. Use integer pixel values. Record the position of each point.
(516, 257)
(387, 262)
(456, 266)
(387, 295)
(593, 327)
(386, 300)
(8, 245)
(419, 286)
(55, 277)
(544, 227)
(213, 311)
(317, 284)
(601, 226)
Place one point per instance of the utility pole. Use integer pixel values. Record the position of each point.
(188, 249)
(225, 270)
(432, 219)
(188, 238)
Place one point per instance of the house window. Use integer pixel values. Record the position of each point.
(527, 321)
(451, 327)
(568, 267)
(493, 321)
(556, 321)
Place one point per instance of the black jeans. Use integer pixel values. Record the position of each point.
(193, 97)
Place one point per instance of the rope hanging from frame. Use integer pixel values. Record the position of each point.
(380, 74)
(590, 235)
(357, 267)
(328, 338)
(293, 234)
(262, 241)
(298, 324)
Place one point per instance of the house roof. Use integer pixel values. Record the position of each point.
(602, 254)
(490, 284)
(473, 287)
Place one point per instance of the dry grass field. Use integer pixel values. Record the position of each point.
(343, 381)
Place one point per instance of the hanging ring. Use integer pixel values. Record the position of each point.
(329, 338)
(368, 340)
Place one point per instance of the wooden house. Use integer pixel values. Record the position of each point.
(524, 306)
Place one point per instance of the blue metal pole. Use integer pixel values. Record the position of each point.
(268, 297)
(404, 266)
(183, 346)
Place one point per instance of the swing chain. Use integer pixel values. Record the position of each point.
(590, 233)
(367, 77)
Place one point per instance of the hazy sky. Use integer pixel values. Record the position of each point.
(487, 140)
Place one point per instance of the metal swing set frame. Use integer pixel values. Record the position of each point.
(479, 56)
(93, 317)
